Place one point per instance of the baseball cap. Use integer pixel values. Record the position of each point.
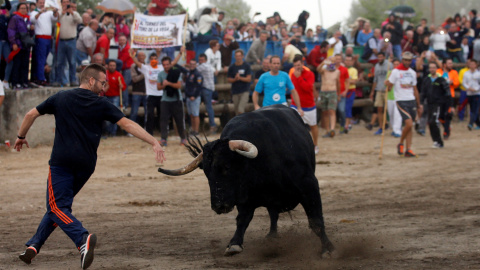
(407, 56)
(85, 63)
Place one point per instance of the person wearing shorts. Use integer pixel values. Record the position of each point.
(330, 90)
(381, 70)
(404, 79)
(193, 89)
(350, 96)
(303, 80)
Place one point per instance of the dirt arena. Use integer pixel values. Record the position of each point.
(394, 213)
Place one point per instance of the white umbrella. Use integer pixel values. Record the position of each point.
(121, 7)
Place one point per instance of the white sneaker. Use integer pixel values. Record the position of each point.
(86, 251)
(317, 150)
(6, 85)
(437, 145)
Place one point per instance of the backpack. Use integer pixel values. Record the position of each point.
(367, 51)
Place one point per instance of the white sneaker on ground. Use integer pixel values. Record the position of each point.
(86, 251)
(437, 145)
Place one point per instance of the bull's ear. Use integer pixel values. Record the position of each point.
(244, 148)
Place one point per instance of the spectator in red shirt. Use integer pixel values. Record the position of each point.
(114, 84)
(158, 7)
(127, 62)
(121, 28)
(344, 83)
(103, 43)
(303, 79)
(316, 56)
(407, 42)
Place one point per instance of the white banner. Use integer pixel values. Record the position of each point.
(157, 31)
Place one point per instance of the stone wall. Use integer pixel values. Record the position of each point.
(16, 104)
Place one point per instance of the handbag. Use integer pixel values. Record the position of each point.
(26, 39)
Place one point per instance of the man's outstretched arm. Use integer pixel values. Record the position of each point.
(137, 131)
(24, 127)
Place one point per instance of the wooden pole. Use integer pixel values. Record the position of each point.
(131, 30)
(384, 122)
(185, 34)
(120, 86)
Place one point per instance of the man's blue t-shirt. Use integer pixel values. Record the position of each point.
(274, 88)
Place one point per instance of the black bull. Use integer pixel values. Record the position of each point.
(263, 158)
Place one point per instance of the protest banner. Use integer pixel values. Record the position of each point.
(157, 31)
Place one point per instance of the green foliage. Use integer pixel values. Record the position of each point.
(233, 9)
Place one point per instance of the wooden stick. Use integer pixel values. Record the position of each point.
(384, 120)
(131, 30)
(120, 86)
(185, 34)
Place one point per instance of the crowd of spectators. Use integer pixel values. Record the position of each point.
(63, 42)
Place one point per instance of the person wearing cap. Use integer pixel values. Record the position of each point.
(297, 42)
(404, 79)
(226, 49)
(82, 66)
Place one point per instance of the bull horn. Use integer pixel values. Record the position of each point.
(244, 148)
(187, 169)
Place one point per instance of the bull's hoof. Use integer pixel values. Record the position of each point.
(232, 250)
(328, 252)
(272, 235)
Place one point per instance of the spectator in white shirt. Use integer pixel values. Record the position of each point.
(439, 41)
(214, 57)
(43, 19)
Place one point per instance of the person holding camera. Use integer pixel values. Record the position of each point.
(20, 32)
(43, 18)
(67, 45)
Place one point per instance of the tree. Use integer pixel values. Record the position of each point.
(233, 9)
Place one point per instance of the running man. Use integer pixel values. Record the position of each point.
(79, 114)
(408, 101)
(303, 80)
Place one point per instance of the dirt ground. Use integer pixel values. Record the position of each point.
(394, 213)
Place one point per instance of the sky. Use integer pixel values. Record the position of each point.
(332, 11)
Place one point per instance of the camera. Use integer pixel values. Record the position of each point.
(387, 40)
(68, 6)
(441, 32)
